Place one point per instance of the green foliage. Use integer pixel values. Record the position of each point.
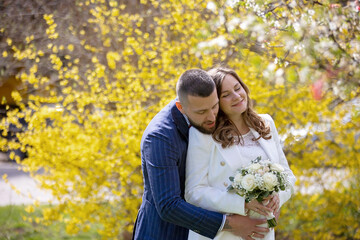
(13, 226)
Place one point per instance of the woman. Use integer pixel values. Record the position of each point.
(241, 135)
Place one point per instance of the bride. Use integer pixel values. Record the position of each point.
(241, 135)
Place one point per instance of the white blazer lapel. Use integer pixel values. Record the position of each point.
(229, 154)
(268, 146)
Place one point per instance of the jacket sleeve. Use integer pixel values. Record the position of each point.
(198, 191)
(284, 195)
(161, 155)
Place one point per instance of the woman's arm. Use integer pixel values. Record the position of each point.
(283, 195)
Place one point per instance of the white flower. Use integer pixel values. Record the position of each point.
(270, 181)
(297, 26)
(211, 6)
(276, 167)
(254, 167)
(266, 162)
(237, 178)
(248, 182)
(261, 171)
(332, 26)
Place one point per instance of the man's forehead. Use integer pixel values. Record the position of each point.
(198, 103)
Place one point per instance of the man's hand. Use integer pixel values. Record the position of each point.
(245, 227)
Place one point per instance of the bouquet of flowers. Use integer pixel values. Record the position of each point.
(258, 181)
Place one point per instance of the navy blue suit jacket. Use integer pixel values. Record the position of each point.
(164, 214)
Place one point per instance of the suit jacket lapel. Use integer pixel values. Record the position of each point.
(180, 122)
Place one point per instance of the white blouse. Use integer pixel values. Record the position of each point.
(250, 149)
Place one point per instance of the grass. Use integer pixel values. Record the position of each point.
(13, 227)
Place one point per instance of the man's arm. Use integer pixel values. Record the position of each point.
(161, 156)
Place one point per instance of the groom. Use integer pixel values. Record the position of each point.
(164, 214)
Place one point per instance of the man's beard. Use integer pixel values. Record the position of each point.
(200, 128)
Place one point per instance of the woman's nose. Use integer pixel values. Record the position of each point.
(235, 95)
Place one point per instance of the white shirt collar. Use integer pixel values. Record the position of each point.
(186, 119)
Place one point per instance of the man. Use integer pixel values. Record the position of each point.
(164, 214)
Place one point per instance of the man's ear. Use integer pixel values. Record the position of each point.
(179, 106)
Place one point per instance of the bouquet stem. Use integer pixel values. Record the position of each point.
(272, 222)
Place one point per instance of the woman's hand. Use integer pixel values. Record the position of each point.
(277, 215)
(255, 206)
(274, 202)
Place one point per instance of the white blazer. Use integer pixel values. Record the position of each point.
(209, 166)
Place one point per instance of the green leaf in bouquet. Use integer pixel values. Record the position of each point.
(240, 194)
(231, 179)
(256, 160)
(230, 188)
(263, 195)
(248, 199)
(252, 195)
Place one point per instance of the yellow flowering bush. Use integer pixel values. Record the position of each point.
(97, 71)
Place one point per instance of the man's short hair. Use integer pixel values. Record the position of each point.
(194, 82)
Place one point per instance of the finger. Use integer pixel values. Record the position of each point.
(271, 197)
(258, 235)
(259, 221)
(271, 204)
(262, 207)
(265, 209)
(268, 198)
(248, 237)
(274, 207)
(265, 205)
(261, 230)
(274, 200)
(274, 204)
(257, 210)
(263, 212)
(277, 214)
(278, 205)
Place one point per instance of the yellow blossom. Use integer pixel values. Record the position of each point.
(70, 47)
(112, 57)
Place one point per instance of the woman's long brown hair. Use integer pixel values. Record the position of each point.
(226, 132)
